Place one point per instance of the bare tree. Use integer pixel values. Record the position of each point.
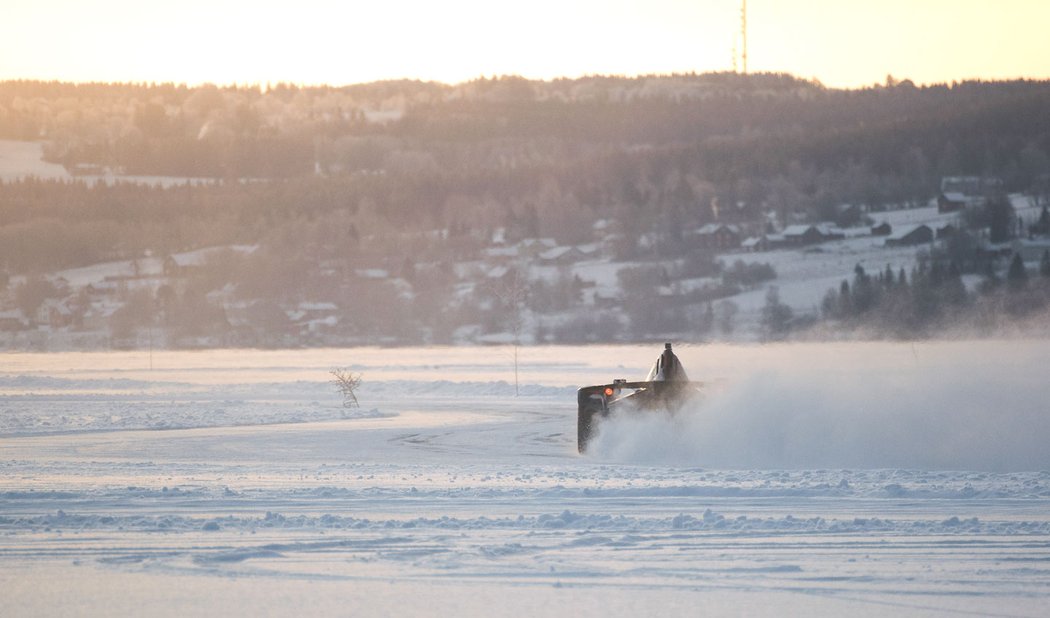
(512, 292)
(347, 382)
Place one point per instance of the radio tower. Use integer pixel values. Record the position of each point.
(743, 33)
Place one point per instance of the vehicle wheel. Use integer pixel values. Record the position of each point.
(586, 424)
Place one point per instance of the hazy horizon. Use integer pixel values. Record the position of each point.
(271, 84)
(327, 43)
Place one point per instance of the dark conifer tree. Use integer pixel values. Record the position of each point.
(1042, 225)
(991, 278)
(1001, 219)
(863, 293)
(776, 316)
(845, 307)
(954, 291)
(1017, 276)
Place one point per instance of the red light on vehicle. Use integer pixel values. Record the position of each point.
(608, 391)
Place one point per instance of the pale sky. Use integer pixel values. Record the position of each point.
(842, 43)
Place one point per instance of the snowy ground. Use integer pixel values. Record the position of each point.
(816, 479)
(23, 159)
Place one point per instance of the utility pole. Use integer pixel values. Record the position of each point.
(743, 33)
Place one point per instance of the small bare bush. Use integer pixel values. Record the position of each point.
(347, 382)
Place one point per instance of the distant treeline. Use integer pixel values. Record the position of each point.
(933, 300)
(655, 155)
(746, 139)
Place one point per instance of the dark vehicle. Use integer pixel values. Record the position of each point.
(667, 387)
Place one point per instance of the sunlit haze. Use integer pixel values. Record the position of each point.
(842, 44)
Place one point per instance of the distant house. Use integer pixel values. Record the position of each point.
(372, 273)
(98, 314)
(802, 235)
(959, 192)
(951, 202)
(606, 301)
(101, 289)
(533, 247)
(502, 274)
(718, 236)
(882, 229)
(775, 241)
(55, 313)
(945, 231)
(911, 235)
(830, 232)
(177, 265)
(602, 228)
(314, 317)
(755, 243)
(1031, 250)
(562, 255)
(13, 320)
(849, 212)
(502, 253)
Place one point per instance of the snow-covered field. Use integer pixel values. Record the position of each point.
(813, 479)
(24, 159)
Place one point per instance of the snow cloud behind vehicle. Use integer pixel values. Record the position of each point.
(954, 406)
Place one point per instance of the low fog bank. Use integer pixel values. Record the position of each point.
(980, 406)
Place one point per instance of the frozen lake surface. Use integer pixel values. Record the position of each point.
(814, 479)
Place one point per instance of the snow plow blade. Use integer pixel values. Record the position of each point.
(665, 388)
